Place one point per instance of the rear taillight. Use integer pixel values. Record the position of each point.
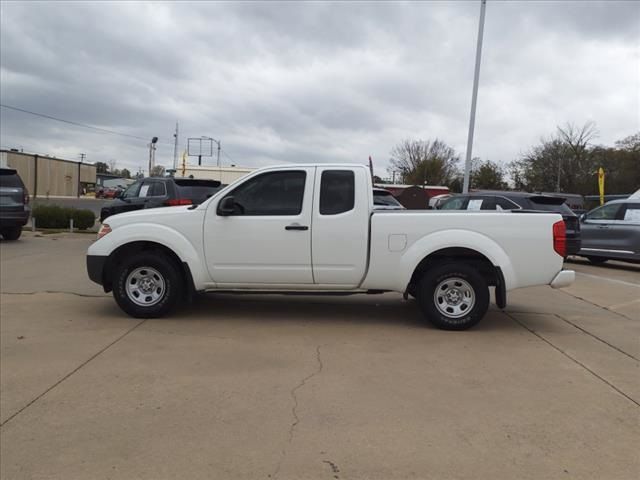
(178, 201)
(560, 238)
(26, 198)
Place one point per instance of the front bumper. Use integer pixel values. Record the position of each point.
(563, 279)
(95, 268)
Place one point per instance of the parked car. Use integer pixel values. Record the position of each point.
(155, 192)
(612, 231)
(384, 200)
(522, 201)
(14, 204)
(312, 229)
(435, 202)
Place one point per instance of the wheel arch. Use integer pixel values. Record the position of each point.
(135, 247)
(479, 261)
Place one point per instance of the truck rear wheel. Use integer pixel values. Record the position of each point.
(148, 285)
(453, 296)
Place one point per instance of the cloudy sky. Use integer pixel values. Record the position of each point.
(312, 82)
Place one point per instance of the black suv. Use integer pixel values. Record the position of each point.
(531, 202)
(14, 204)
(155, 192)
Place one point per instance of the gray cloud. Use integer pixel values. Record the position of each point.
(292, 82)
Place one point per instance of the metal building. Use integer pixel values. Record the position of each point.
(46, 176)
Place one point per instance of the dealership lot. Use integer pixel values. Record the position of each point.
(297, 387)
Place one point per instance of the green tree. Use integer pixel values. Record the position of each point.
(125, 173)
(487, 175)
(422, 162)
(102, 167)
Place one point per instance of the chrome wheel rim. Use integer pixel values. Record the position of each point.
(145, 286)
(454, 297)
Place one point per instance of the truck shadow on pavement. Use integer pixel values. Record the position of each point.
(295, 309)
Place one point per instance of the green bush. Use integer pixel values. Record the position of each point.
(55, 216)
(82, 219)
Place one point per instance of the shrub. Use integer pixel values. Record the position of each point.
(83, 219)
(55, 216)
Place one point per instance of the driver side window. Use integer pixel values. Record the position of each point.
(606, 212)
(272, 193)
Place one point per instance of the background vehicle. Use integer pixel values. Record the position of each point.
(612, 231)
(498, 200)
(384, 200)
(155, 192)
(14, 204)
(314, 229)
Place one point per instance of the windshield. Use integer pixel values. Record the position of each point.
(132, 191)
(454, 203)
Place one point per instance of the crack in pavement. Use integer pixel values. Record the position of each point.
(596, 337)
(86, 295)
(294, 409)
(596, 305)
(72, 372)
(572, 359)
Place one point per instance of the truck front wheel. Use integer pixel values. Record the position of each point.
(453, 296)
(147, 285)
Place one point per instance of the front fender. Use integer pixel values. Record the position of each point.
(156, 233)
(463, 239)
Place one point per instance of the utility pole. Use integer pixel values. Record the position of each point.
(152, 153)
(218, 142)
(175, 147)
(474, 98)
(82, 155)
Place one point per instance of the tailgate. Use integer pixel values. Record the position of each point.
(12, 199)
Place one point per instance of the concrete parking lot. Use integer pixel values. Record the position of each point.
(313, 387)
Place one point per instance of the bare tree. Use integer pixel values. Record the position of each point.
(424, 161)
(112, 165)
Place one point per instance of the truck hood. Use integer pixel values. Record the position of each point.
(150, 215)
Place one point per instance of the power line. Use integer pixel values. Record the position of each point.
(103, 130)
(98, 129)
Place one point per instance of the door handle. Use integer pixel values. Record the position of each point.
(296, 227)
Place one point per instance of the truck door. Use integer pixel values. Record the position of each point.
(340, 234)
(268, 238)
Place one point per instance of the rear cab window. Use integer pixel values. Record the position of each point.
(337, 192)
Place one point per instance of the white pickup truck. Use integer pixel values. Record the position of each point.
(314, 229)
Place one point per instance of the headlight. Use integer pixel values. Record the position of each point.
(104, 229)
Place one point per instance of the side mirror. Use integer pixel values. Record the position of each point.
(227, 206)
(118, 194)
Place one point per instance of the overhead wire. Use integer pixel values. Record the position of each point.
(92, 127)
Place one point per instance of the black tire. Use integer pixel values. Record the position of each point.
(11, 233)
(597, 260)
(153, 266)
(456, 279)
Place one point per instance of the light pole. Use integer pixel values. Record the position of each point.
(152, 153)
(474, 98)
